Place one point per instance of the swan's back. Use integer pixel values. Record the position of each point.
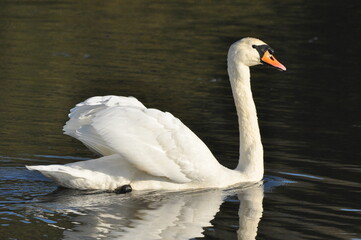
(154, 142)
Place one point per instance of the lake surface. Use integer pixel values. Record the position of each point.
(171, 55)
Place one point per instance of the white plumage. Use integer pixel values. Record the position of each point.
(151, 149)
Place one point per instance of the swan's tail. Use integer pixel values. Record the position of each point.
(106, 173)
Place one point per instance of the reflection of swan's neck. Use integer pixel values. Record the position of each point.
(250, 146)
(250, 212)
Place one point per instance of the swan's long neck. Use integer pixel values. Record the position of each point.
(250, 146)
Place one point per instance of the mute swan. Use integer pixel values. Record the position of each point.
(146, 148)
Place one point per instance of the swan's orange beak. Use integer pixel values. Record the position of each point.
(269, 59)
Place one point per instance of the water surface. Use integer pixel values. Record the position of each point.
(172, 56)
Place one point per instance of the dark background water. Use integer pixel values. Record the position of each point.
(172, 56)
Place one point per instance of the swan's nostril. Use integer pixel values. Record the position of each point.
(123, 189)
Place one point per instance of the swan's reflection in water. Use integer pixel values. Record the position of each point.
(165, 215)
(250, 212)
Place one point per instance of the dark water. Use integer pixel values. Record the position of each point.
(171, 55)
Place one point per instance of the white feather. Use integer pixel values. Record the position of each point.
(154, 142)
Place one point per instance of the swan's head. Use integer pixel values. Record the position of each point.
(251, 52)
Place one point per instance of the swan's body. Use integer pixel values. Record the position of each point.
(151, 149)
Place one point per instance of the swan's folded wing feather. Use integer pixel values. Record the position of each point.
(154, 142)
(83, 112)
(81, 117)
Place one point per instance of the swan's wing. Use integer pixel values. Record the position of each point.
(154, 142)
(83, 113)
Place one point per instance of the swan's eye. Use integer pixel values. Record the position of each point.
(254, 46)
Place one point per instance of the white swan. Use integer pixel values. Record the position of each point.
(145, 148)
